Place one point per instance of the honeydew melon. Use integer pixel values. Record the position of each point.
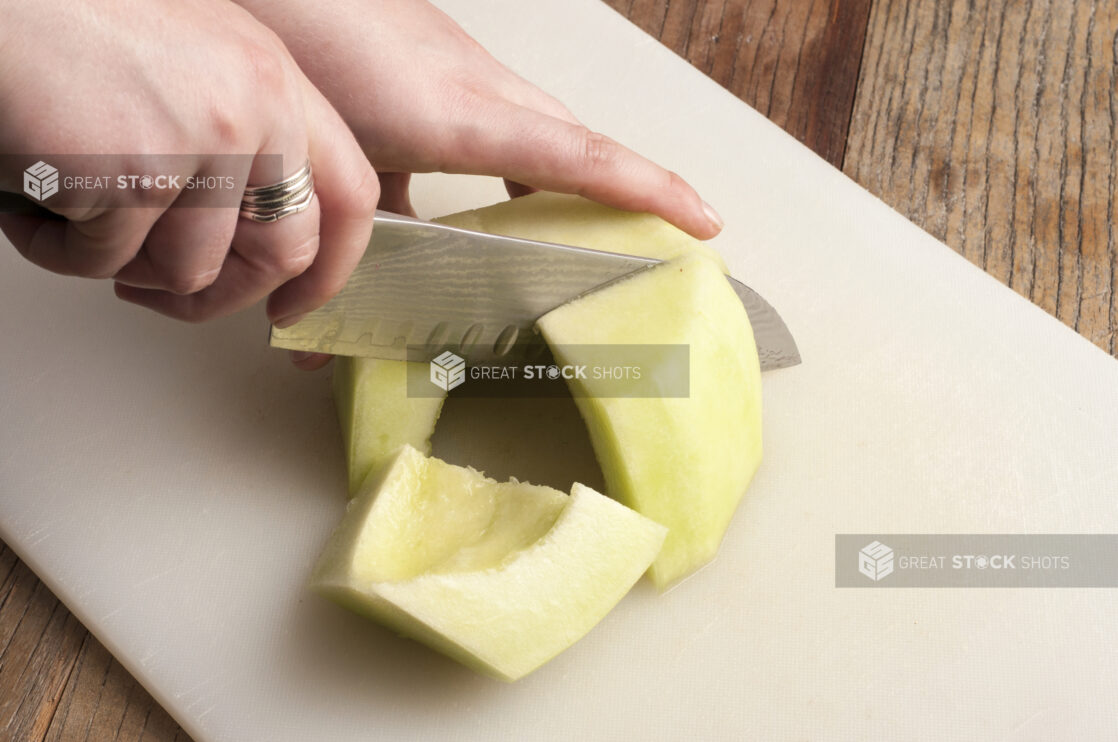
(374, 409)
(376, 414)
(573, 220)
(500, 576)
(685, 462)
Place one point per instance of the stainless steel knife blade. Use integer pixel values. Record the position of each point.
(421, 284)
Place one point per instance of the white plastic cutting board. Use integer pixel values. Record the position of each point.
(173, 484)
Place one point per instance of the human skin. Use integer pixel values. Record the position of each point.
(202, 76)
(421, 95)
(130, 80)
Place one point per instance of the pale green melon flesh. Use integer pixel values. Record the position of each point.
(684, 462)
(572, 220)
(376, 414)
(500, 576)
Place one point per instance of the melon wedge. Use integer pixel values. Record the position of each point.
(689, 469)
(375, 412)
(684, 462)
(499, 576)
(377, 416)
(573, 220)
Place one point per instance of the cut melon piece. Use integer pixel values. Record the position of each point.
(500, 576)
(684, 462)
(374, 409)
(573, 220)
(376, 414)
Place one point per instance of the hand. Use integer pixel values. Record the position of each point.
(199, 78)
(421, 96)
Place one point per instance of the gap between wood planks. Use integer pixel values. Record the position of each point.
(998, 136)
(795, 62)
(990, 123)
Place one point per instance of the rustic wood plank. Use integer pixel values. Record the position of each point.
(57, 682)
(992, 123)
(39, 642)
(103, 701)
(796, 62)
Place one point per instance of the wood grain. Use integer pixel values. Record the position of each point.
(102, 701)
(57, 682)
(992, 123)
(795, 61)
(39, 643)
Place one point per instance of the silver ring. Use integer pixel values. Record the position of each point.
(271, 203)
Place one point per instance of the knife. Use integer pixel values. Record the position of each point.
(423, 286)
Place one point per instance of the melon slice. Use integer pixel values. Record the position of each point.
(376, 414)
(685, 462)
(689, 469)
(573, 220)
(500, 576)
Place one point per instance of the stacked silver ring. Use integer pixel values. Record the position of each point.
(271, 203)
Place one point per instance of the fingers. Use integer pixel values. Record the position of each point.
(96, 248)
(262, 257)
(542, 151)
(394, 193)
(301, 261)
(348, 190)
(184, 252)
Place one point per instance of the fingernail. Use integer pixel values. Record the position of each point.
(298, 356)
(288, 321)
(713, 216)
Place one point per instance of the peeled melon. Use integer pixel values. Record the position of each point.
(573, 220)
(685, 462)
(376, 414)
(500, 576)
(374, 410)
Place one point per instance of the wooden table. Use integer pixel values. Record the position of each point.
(993, 124)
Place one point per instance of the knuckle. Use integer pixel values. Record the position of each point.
(264, 66)
(365, 194)
(224, 126)
(191, 283)
(673, 183)
(597, 151)
(295, 260)
(461, 97)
